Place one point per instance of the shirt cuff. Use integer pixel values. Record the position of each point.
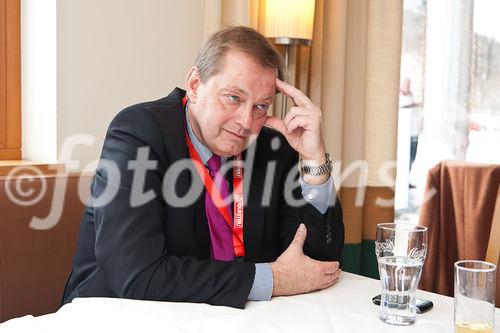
(318, 195)
(262, 288)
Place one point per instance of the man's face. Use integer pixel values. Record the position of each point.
(228, 110)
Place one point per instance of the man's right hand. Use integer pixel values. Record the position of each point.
(295, 273)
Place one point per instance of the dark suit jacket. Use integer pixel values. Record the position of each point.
(160, 252)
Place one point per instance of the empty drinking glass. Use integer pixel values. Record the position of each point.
(401, 250)
(474, 296)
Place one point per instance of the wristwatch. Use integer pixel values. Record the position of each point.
(317, 170)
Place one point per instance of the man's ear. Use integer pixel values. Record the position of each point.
(193, 81)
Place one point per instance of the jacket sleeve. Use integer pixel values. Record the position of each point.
(325, 232)
(130, 243)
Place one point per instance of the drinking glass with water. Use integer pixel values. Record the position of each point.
(401, 250)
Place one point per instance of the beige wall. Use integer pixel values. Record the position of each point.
(111, 54)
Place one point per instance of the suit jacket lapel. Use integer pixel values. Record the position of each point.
(173, 124)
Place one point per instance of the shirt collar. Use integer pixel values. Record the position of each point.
(201, 149)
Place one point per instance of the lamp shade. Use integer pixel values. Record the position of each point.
(292, 19)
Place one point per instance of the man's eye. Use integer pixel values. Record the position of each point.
(233, 98)
(262, 107)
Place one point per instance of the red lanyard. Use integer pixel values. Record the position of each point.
(237, 228)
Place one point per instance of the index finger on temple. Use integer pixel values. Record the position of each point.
(295, 94)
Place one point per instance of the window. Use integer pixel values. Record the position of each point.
(449, 100)
(10, 80)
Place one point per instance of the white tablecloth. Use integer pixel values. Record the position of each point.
(345, 307)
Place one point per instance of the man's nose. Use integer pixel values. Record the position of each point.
(245, 116)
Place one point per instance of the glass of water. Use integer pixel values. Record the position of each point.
(474, 296)
(401, 250)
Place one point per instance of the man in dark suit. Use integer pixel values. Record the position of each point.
(155, 229)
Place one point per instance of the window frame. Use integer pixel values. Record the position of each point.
(10, 80)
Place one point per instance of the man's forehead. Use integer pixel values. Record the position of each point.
(241, 73)
(244, 62)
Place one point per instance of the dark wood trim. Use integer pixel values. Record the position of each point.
(30, 168)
